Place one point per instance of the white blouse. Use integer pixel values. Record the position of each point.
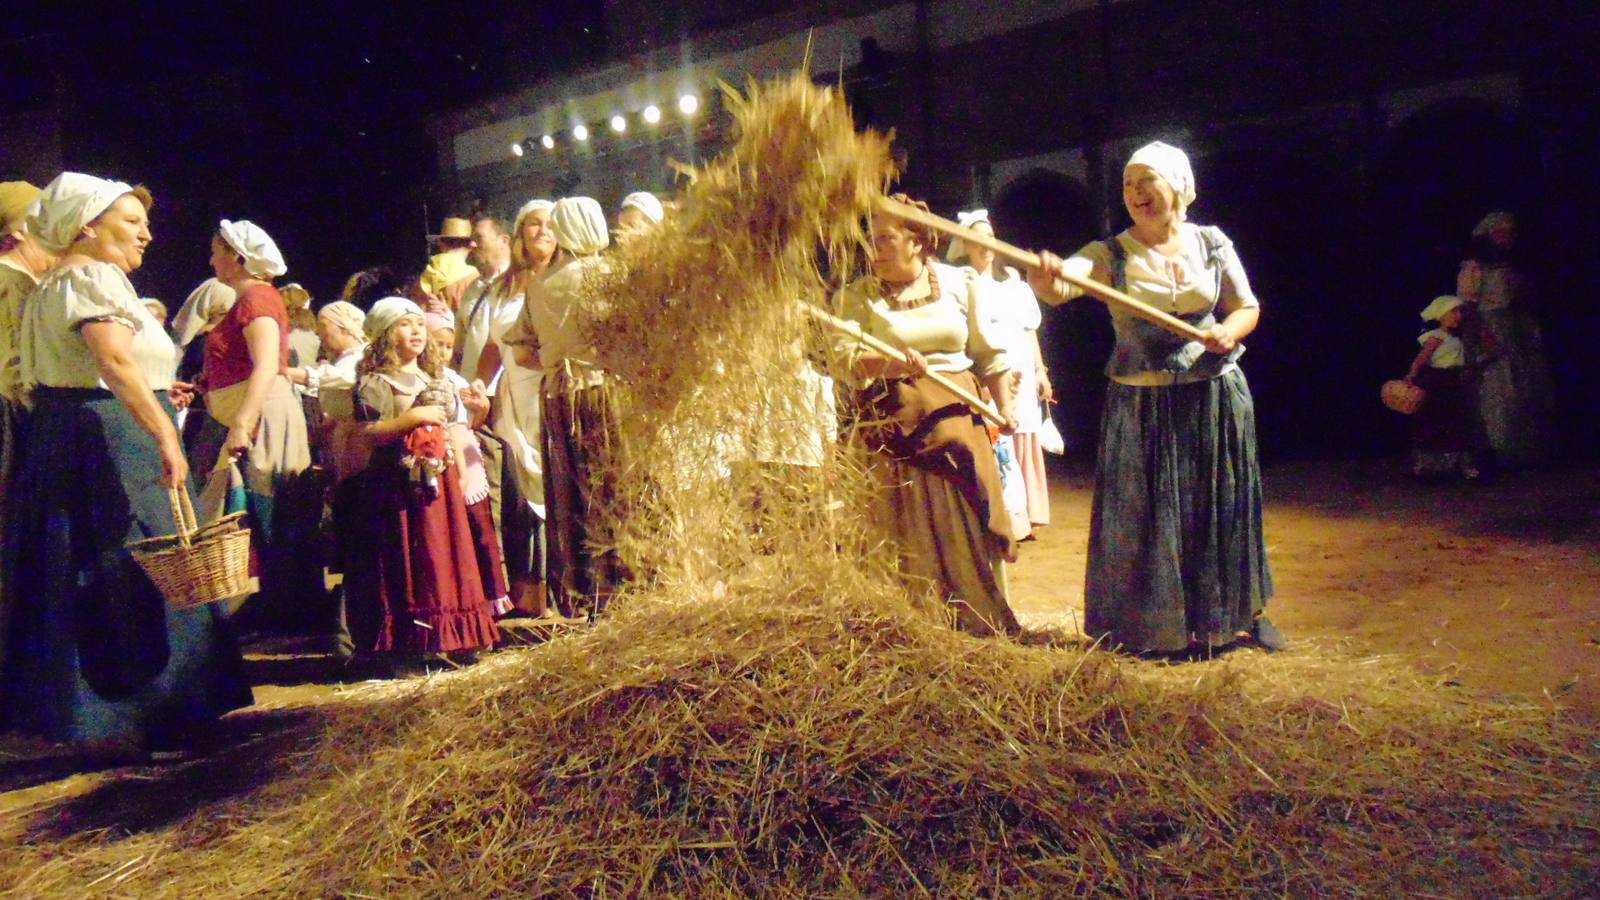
(1450, 354)
(1014, 318)
(953, 331)
(551, 315)
(54, 353)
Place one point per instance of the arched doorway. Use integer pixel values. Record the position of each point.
(1049, 210)
(1311, 365)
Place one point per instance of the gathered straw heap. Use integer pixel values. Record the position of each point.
(700, 324)
(770, 713)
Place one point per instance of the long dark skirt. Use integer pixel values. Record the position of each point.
(95, 652)
(583, 569)
(287, 541)
(13, 431)
(1176, 552)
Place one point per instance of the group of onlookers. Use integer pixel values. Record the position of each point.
(345, 435)
(443, 442)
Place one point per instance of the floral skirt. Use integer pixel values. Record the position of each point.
(1176, 550)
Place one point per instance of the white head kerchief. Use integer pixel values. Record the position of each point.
(383, 314)
(532, 206)
(205, 303)
(345, 316)
(1172, 165)
(966, 219)
(1497, 219)
(68, 203)
(251, 241)
(647, 203)
(1440, 307)
(579, 225)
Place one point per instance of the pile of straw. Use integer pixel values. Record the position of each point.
(770, 711)
(826, 741)
(699, 323)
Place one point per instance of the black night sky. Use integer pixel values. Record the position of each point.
(306, 118)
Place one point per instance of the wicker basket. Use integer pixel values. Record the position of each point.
(197, 566)
(1403, 396)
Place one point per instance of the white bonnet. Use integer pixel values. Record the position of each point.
(647, 203)
(251, 241)
(68, 203)
(383, 314)
(966, 219)
(580, 225)
(1172, 165)
(532, 206)
(1440, 307)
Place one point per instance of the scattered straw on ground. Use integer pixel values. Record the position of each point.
(768, 713)
(823, 741)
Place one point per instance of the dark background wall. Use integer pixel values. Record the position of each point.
(1349, 216)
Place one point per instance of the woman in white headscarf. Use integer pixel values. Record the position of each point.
(1177, 561)
(579, 415)
(254, 418)
(1516, 391)
(1014, 317)
(96, 655)
(514, 409)
(640, 212)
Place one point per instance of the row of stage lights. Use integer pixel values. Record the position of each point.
(688, 105)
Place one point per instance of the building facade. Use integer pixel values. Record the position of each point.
(1348, 149)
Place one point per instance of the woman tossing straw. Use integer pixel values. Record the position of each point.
(1176, 554)
(942, 487)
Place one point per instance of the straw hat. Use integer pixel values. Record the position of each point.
(15, 198)
(455, 228)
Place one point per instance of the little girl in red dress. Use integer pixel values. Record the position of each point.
(419, 588)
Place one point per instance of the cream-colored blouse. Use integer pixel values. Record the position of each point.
(551, 317)
(54, 353)
(952, 330)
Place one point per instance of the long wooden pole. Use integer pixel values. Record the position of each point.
(1030, 260)
(856, 331)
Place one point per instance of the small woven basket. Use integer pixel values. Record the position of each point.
(1402, 397)
(197, 566)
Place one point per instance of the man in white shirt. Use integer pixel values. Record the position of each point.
(491, 255)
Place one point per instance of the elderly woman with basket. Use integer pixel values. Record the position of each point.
(1177, 560)
(96, 656)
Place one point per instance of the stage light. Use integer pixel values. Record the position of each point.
(619, 124)
(516, 148)
(580, 133)
(688, 103)
(548, 142)
(652, 114)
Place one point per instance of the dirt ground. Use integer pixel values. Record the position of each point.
(1495, 587)
(1492, 588)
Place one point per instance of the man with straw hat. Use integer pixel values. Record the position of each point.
(449, 273)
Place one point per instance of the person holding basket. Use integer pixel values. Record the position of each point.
(96, 656)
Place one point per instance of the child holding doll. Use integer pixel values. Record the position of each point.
(421, 587)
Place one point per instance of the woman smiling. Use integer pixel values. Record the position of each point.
(97, 657)
(1177, 560)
